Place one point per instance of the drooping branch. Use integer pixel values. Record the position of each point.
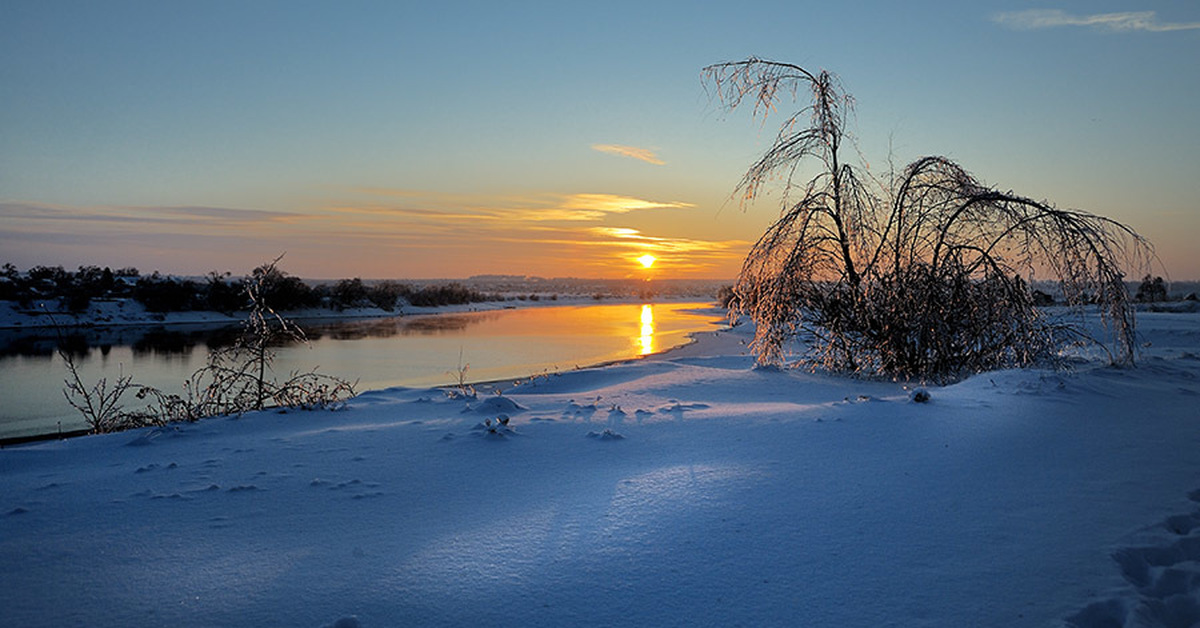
(921, 276)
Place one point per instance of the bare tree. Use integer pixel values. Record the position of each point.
(916, 275)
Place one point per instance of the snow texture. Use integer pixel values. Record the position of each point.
(688, 489)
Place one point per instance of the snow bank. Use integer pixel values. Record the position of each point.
(125, 312)
(682, 490)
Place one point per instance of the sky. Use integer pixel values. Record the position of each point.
(450, 139)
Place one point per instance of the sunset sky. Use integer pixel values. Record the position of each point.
(559, 138)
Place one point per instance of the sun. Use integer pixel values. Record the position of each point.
(647, 260)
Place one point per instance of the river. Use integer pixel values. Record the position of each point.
(425, 350)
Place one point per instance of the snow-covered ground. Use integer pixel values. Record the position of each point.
(684, 490)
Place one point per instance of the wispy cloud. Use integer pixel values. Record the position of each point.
(634, 237)
(595, 206)
(1034, 19)
(143, 216)
(583, 207)
(643, 154)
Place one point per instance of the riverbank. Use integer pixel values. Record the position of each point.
(126, 312)
(687, 489)
(413, 350)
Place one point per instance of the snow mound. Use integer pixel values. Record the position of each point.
(495, 405)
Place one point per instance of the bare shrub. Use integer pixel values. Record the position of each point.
(464, 390)
(919, 274)
(102, 404)
(238, 377)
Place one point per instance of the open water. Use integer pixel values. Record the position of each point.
(430, 350)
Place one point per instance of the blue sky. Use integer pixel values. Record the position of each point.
(397, 139)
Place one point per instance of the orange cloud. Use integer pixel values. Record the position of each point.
(506, 208)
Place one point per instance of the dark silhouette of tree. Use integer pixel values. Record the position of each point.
(221, 293)
(918, 274)
(280, 290)
(1151, 290)
(348, 293)
(165, 294)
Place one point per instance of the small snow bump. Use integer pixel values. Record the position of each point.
(919, 395)
(495, 405)
(497, 429)
(143, 439)
(1106, 613)
(345, 622)
(576, 410)
(1181, 524)
(674, 407)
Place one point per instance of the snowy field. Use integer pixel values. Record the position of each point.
(684, 490)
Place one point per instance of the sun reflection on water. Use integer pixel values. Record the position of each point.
(647, 337)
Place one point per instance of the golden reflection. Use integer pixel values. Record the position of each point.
(647, 338)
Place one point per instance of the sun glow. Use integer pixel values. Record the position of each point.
(647, 260)
(647, 338)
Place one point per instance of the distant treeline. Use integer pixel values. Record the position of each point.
(217, 292)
